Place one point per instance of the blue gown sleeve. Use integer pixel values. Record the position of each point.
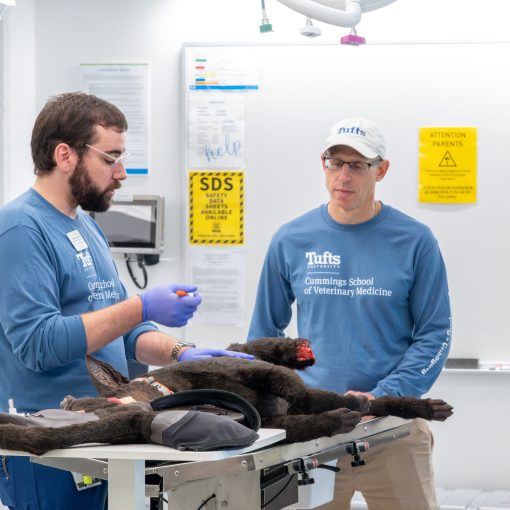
(430, 312)
(272, 311)
(131, 337)
(30, 313)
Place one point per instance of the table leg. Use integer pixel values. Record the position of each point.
(126, 484)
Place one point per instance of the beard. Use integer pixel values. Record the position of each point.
(87, 195)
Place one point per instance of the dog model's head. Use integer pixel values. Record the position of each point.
(305, 354)
(112, 384)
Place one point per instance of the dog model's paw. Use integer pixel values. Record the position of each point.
(67, 403)
(87, 404)
(440, 410)
(426, 408)
(346, 419)
(410, 407)
(358, 403)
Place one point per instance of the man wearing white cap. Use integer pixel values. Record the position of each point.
(372, 298)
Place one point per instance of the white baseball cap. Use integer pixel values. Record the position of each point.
(359, 134)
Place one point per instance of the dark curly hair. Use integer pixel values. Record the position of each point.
(70, 118)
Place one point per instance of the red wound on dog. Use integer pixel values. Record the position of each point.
(304, 352)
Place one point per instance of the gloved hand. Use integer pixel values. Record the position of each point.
(196, 353)
(162, 304)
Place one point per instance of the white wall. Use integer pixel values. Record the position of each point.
(302, 93)
(306, 88)
(44, 61)
(17, 98)
(472, 449)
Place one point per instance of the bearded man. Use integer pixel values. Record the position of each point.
(55, 266)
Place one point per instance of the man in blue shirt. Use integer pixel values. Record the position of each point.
(60, 294)
(372, 298)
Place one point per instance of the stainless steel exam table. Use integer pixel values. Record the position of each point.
(264, 475)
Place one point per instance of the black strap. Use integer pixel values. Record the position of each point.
(219, 398)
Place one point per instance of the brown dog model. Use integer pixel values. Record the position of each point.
(269, 383)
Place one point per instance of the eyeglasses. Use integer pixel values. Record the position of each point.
(115, 162)
(355, 167)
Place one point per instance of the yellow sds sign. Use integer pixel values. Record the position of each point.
(447, 165)
(216, 207)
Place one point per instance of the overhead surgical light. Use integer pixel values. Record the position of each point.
(309, 30)
(353, 39)
(265, 26)
(5, 5)
(342, 13)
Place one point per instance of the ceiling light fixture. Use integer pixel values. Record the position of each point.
(342, 13)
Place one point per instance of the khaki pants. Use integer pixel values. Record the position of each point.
(397, 475)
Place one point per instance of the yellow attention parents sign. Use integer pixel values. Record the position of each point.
(447, 165)
(216, 202)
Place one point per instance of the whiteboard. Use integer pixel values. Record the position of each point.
(304, 89)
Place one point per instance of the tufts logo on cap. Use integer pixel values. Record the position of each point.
(354, 130)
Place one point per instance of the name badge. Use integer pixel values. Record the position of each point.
(77, 240)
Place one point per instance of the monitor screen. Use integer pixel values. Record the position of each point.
(133, 226)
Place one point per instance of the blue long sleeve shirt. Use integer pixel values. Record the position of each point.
(372, 298)
(47, 281)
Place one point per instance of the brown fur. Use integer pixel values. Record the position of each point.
(276, 391)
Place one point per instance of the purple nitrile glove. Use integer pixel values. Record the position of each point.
(196, 353)
(162, 304)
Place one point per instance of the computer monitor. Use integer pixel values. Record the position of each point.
(133, 224)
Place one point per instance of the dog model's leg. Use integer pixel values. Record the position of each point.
(323, 400)
(305, 427)
(126, 427)
(87, 404)
(269, 379)
(409, 407)
(292, 353)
